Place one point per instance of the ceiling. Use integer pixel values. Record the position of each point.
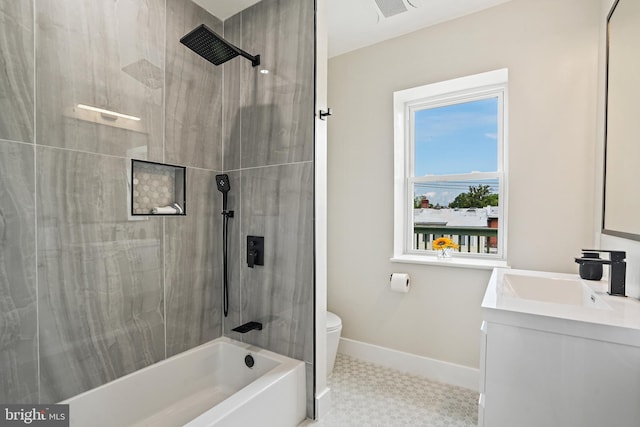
(223, 9)
(354, 24)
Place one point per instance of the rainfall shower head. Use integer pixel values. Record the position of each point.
(223, 183)
(212, 47)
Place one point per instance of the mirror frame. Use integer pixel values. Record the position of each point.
(604, 230)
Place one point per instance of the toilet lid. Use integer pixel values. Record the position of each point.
(333, 321)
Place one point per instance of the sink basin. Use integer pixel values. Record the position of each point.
(557, 350)
(552, 290)
(560, 302)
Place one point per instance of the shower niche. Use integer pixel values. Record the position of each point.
(157, 189)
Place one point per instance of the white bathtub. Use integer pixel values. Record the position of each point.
(209, 385)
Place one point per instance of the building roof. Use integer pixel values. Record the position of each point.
(455, 217)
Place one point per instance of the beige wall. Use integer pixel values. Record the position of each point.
(551, 51)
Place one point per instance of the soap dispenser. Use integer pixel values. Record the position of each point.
(591, 270)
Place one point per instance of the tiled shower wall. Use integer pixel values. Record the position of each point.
(268, 155)
(89, 293)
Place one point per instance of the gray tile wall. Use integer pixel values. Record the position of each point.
(115, 293)
(193, 133)
(277, 119)
(193, 267)
(105, 54)
(100, 290)
(110, 293)
(270, 152)
(277, 203)
(18, 294)
(16, 63)
(274, 120)
(18, 339)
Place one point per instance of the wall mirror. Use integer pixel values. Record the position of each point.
(621, 201)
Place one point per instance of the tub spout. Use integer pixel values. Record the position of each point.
(249, 326)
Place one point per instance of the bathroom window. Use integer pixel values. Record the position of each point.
(450, 173)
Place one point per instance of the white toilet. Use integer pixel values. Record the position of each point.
(334, 328)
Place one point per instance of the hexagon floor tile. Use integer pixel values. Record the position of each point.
(364, 394)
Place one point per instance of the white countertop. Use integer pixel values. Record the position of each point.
(609, 318)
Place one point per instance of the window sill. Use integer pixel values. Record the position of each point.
(459, 262)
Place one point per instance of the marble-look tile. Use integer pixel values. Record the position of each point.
(193, 266)
(16, 63)
(277, 203)
(100, 276)
(277, 108)
(106, 54)
(18, 314)
(193, 135)
(232, 95)
(236, 303)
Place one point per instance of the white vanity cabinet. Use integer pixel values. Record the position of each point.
(557, 357)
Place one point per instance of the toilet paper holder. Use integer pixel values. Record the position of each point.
(399, 282)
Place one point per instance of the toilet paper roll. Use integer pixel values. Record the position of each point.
(400, 282)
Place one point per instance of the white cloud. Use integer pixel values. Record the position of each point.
(491, 135)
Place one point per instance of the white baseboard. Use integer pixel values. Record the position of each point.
(437, 370)
(323, 403)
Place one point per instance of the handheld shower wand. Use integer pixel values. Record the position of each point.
(222, 181)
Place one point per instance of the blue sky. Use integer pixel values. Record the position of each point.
(455, 139)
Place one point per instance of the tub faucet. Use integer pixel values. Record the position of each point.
(617, 269)
(249, 326)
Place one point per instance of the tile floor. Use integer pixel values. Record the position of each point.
(364, 394)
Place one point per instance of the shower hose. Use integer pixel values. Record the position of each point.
(225, 241)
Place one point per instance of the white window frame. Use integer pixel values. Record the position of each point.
(465, 89)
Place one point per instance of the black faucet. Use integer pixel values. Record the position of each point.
(617, 272)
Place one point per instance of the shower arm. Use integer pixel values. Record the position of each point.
(255, 60)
